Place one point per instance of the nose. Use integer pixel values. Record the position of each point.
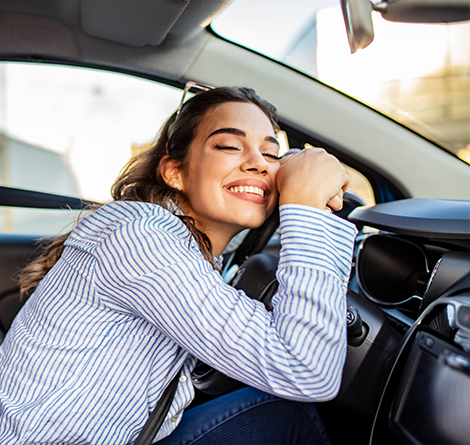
(255, 162)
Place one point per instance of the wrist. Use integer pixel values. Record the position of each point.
(310, 201)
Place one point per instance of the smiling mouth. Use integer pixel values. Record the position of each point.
(247, 189)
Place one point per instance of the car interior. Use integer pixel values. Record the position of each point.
(407, 372)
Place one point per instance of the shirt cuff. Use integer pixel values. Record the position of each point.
(316, 239)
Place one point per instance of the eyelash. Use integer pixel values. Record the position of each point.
(269, 155)
(229, 147)
(226, 147)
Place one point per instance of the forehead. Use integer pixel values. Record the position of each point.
(243, 116)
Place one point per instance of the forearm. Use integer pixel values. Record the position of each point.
(297, 352)
(310, 307)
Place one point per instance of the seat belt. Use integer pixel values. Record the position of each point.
(156, 418)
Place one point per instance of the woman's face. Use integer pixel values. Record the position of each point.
(230, 180)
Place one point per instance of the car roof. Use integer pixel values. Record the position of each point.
(137, 23)
(151, 36)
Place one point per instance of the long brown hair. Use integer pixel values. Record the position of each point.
(140, 180)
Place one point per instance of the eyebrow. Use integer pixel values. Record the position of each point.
(238, 132)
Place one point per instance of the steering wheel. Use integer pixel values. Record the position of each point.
(257, 277)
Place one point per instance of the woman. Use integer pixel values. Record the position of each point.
(136, 294)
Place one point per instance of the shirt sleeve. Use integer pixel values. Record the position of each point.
(297, 351)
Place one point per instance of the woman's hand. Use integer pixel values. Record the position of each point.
(314, 178)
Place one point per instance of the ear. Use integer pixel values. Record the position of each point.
(170, 171)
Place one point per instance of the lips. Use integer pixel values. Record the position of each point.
(254, 190)
(249, 185)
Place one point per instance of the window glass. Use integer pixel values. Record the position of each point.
(69, 131)
(37, 222)
(359, 185)
(418, 74)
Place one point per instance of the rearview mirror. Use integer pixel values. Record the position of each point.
(358, 20)
(358, 15)
(424, 11)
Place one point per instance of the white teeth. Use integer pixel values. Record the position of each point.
(247, 189)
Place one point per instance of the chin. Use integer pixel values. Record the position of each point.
(254, 222)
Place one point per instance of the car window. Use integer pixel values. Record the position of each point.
(68, 131)
(417, 74)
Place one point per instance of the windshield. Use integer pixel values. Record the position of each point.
(417, 74)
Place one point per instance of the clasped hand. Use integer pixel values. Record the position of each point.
(312, 177)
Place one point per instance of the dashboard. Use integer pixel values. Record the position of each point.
(419, 250)
(411, 289)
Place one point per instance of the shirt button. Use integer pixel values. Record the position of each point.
(174, 419)
(183, 379)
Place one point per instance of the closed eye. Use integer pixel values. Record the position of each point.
(272, 156)
(232, 147)
(226, 147)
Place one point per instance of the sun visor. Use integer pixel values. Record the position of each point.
(133, 23)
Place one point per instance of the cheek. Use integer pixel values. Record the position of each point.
(202, 195)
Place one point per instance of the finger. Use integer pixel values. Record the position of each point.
(336, 203)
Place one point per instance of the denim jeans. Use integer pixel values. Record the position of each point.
(249, 417)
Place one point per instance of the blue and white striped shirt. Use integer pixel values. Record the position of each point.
(132, 299)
